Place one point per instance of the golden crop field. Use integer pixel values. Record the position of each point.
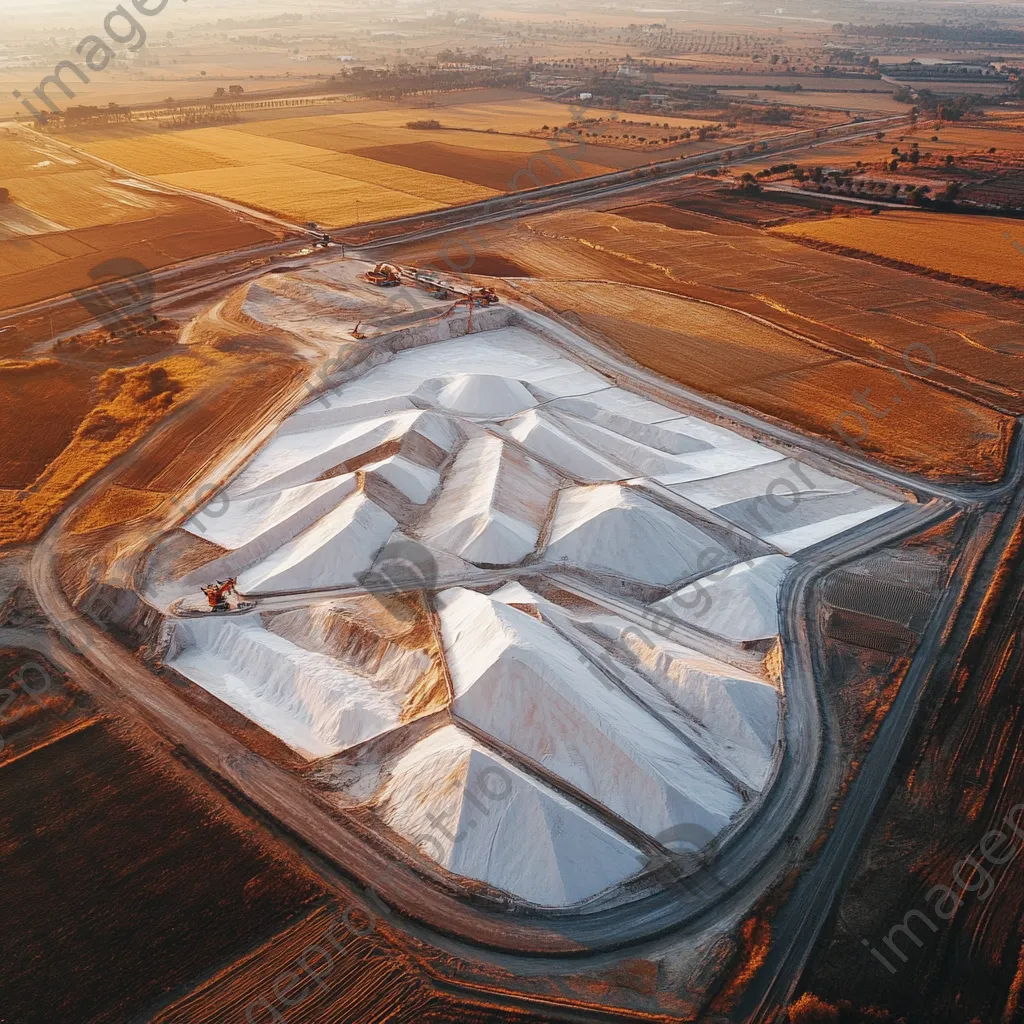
(313, 168)
(980, 248)
(302, 194)
(507, 117)
(329, 132)
(20, 156)
(158, 154)
(83, 199)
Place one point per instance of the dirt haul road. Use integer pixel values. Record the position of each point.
(286, 797)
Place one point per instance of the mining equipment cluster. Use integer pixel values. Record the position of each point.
(217, 596)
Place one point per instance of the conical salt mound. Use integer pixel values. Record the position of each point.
(484, 394)
(476, 815)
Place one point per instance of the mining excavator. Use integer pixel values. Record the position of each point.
(476, 297)
(217, 594)
(383, 275)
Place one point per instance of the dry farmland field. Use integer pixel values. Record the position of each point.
(148, 883)
(994, 254)
(366, 162)
(780, 328)
(67, 215)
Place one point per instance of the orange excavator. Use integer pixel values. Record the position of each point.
(476, 297)
(384, 275)
(217, 594)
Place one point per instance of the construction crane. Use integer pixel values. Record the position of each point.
(383, 275)
(217, 594)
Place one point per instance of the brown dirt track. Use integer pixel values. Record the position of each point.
(840, 327)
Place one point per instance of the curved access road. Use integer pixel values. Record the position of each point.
(748, 863)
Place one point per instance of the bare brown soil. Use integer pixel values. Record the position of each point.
(840, 329)
(684, 220)
(42, 402)
(957, 782)
(38, 704)
(367, 978)
(147, 883)
(238, 398)
(129, 402)
(196, 229)
(760, 211)
(495, 170)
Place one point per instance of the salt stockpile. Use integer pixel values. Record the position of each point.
(789, 504)
(479, 816)
(312, 702)
(517, 680)
(415, 482)
(291, 458)
(729, 716)
(268, 520)
(492, 506)
(484, 395)
(544, 437)
(738, 709)
(616, 530)
(334, 552)
(739, 603)
(442, 459)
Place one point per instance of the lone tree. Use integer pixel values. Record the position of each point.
(809, 1009)
(235, 90)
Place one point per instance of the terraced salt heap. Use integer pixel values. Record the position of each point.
(617, 530)
(447, 461)
(789, 504)
(542, 436)
(312, 702)
(494, 503)
(291, 458)
(335, 552)
(728, 716)
(739, 603)
(519, 681)
(478, 816)
(738, 710)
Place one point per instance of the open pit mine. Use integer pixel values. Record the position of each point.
(488, 593)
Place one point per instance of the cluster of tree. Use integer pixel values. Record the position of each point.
(847, 183)
(113, 113)
(954, 33)
(234, 90)
(408, 80)
(201, 116)
(768, 172)
(279, 19)
(456, 56)
(428, 124)
(775, 114)
(948, 108)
